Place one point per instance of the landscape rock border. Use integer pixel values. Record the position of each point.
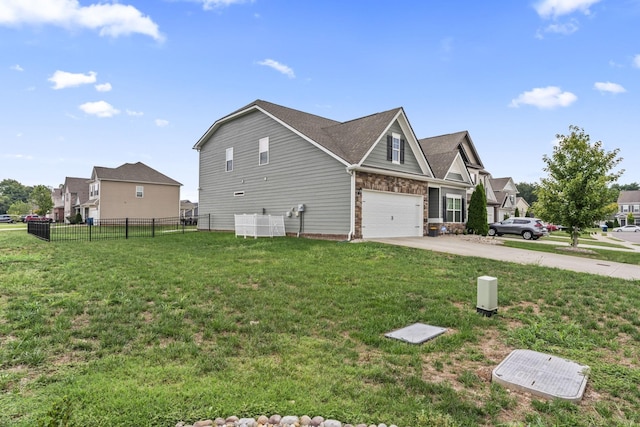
(275, 421)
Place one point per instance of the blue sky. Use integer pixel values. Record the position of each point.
(98, 83)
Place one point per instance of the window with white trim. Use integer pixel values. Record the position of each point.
(454, 208)
(139, 191)
(263, 148)
(229, 160)
(395, 148)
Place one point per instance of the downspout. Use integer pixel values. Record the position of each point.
(352, 220)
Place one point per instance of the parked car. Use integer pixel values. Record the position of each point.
(628, 227)
(6, 218)
(35, 217)
(528, 228)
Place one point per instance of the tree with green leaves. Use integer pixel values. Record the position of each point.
(12, 191)
(477, 218)
(577, 193)
(19, 208)
(631, 220)
(41, 197)
(517, 213)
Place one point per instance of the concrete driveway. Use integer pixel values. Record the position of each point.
(493, 249)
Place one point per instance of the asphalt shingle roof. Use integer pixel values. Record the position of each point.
(632, 196)
(78, 186)
(133, 172)
(349, 140)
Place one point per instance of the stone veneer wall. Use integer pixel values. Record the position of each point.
(392, 184)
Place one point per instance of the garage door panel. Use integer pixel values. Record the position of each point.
(391, 214)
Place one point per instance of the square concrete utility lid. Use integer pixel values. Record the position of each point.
(416, 333)
(543, 375)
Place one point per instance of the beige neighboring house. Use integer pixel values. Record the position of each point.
(132, 190)
(75, 192)
(628, 202)
(522, 205)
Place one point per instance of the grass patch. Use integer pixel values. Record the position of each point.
(193, 326)
(625, 257)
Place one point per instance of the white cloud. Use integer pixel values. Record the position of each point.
(556, 8)
(544, 98)
(99, 109)
(566, 28)
(134, 113)
(161, 123)
(281, 68)
(17, 68)
(63, 79)
(636, 61)
(609, 87)
(103, 87)
(213, 4)
(109, 19)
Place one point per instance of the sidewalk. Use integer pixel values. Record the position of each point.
(493, 249)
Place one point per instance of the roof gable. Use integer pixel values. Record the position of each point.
(458, 170)
(132, 172)
(458, 141)
(504, 184)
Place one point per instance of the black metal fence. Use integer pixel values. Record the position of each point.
(100, 229)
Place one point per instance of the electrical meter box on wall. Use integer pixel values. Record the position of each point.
(301, 207)
(487, 295)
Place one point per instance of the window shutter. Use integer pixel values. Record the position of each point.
(463, 215)
(444, 209)
(402, 151)
(389, 148)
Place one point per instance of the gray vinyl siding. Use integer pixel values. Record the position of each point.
(378, 156)
(297, 172)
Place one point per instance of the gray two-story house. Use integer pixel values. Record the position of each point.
(362, 178)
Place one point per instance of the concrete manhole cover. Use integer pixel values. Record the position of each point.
(416, 333)
(542, 375)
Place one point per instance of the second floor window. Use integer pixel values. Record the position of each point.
(229, 160)
(263, 148)
(139, 191)
(395, 148)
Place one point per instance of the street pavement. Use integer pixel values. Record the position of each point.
(493, 249)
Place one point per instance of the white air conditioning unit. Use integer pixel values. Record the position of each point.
(487, 296)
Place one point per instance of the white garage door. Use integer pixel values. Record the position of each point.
(391, 214)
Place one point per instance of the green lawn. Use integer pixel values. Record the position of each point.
(184, 327)
(601, 250)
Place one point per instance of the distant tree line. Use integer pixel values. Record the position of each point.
(528, 190)
(18, 199)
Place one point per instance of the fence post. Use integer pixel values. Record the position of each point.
(90, 227)
(153, 227)
(209, 222)
(126, 228)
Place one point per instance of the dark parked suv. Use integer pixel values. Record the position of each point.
(528, 228)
